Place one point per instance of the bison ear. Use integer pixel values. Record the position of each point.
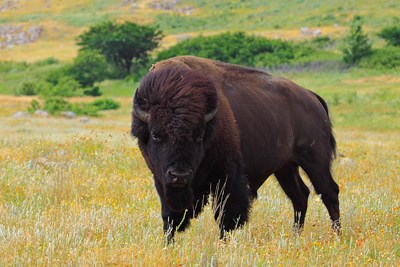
(138, 111)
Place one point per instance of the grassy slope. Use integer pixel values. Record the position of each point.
(63, 20)
(80, 194)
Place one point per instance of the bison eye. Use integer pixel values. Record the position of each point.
(156, 137)
(200, 137)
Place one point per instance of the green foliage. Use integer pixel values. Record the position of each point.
(65, 86)
(47, 61)
(383, 58)
(391, 35)
(56, 75)
(121, 44)
(84, 109)
(105, 104)
(55, 105)
(92, 91)
(27, 88)
(35, 105)
(357, 44)
(89, 67)
(10, 66)
(238, 48)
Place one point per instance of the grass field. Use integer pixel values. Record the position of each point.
(81, 194)
(63, 20)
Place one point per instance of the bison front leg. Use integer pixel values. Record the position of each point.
(231, 204)
(174, 221)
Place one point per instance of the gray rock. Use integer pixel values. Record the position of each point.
(68, 114)
(11, 35)
(21, 114)
(41, 113)
(84, 119)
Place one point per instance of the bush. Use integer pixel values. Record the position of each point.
(11, 66)
(89, 67)
(55, 105)
(391, 35)
(55, 76)
(237, 48)
(46, 62)
(27, 88)
(84, 109)
(357, 44)
(66, 86)
(106, 104)
(384, 58)
(93, 91)
(35, 105)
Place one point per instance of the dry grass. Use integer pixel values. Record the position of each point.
(81, 194)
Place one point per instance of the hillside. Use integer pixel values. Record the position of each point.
(32, 30)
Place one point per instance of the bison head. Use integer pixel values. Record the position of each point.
(173, 112)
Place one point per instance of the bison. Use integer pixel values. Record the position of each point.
(208, 128)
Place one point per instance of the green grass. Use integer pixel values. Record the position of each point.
(362, 98)
(256, 15)
(81, 194)
(75, 193)
(358, 98)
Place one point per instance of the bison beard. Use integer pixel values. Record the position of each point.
(178, 199)
(210, 128)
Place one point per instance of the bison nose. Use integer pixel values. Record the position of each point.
(178, 178)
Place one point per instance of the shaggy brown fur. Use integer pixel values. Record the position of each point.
(264, 125)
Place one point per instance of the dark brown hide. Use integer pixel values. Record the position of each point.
(264, 125)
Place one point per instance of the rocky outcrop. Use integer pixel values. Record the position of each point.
(11, 35)
(6, 5)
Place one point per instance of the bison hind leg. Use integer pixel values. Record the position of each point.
(294, 187)
(322, 180)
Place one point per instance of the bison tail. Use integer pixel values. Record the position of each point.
(332, 137)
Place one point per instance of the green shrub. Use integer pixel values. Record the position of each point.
(46, 62)
(11, 66)
(238, 48)
(92, 91)
(106, 104)
(27, 88)
(35, 105)
(55, 76)
(66, 86)
(84, 109)
(383, 58)
(89, 67)
(391, 35)
(357, 44)
(55, 105)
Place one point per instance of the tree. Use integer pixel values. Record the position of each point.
(357, 44)
(89, 67)
(121, 44)
(391, 35)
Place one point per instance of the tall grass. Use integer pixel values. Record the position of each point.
(81, 194)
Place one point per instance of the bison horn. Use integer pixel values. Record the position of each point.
(140, 113)
(210, 115)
